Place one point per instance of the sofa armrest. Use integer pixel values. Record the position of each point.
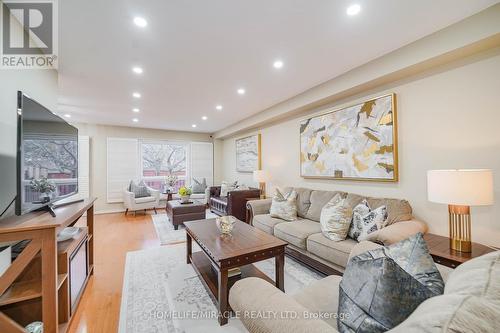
(263, 308)
(363, 247)
(155, 194)
(397, 232)
(128, 199)
(259, 207)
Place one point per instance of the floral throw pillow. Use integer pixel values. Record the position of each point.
(365, 220)
(284, 206)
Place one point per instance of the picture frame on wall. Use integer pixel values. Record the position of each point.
(358, 142)
(248, 153)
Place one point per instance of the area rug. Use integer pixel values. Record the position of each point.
(165, 229)
(161, 293)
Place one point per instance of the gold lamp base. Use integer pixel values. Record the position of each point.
(460, 228)
(262, 187)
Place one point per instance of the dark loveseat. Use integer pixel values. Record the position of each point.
(234, 204)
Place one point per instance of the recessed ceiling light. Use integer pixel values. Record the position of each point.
(135, 120)
(136, 110)
(136, 95)
(219, 107)
(193, 126)
(241, 91)
(67, 115)
(137, 70)
(140, 22)
(204, 117)
(353, 9)
(278, 64)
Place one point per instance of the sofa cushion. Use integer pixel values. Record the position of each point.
(335, 219)
(296, 232)
(322, 298)
(318, 200)
(144, 200)
(382, 287)
(266, 222)
(335, 252)
(284, 206)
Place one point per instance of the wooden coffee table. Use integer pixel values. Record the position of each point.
(243, 247)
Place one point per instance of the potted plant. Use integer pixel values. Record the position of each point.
(170, 182)
(185, 194)
(44, 187)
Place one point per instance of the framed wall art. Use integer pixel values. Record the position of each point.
(358, 142)
(248, 153)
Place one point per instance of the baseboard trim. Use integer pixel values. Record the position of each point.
(109, 211)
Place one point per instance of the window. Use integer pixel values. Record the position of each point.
(161, 159)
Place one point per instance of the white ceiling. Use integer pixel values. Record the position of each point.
(196, 54)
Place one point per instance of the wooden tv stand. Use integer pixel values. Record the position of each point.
(36, 286)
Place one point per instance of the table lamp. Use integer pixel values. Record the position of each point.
(460, 189)
(261, 176)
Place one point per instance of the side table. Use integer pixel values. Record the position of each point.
(439, 248)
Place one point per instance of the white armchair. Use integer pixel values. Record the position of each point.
(134, 204)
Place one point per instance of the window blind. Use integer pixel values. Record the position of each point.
(122, 166)
(201, 162)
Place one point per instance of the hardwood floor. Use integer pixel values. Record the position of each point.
(115, 235)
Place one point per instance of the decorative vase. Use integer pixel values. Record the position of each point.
(225, 224)
(185, 198)
(44, 197)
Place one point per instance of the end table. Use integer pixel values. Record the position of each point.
(439, 248)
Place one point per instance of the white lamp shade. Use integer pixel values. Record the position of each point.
(261, 176)
(460, 187)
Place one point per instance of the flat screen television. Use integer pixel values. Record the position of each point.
(47, 157)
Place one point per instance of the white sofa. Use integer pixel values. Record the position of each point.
(470, 303)
(134, 204)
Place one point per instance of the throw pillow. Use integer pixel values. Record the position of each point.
(335, 218)
(365, 220)
(382, 287)
(140, 190)
(199, 187)
(225, 188)
(284, 206)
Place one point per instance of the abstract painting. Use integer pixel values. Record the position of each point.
(358, 142)
(248, 153)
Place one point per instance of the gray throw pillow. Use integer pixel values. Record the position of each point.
(199, 187)
(140, 190)
(382, 287)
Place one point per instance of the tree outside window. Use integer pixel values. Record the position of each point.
(162, 159)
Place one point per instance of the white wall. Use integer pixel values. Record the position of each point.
(41, 85)
(448, 118)
(98, 135)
